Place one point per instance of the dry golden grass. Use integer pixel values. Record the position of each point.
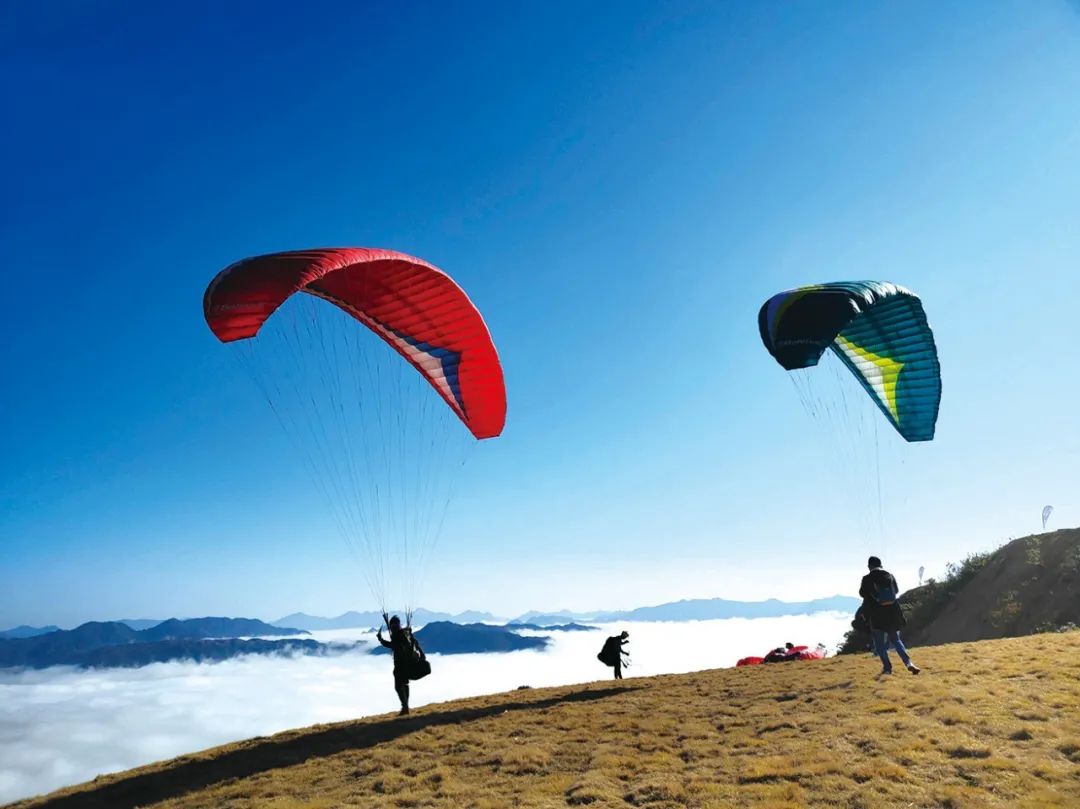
(995, 723)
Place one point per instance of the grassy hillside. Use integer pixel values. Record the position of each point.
(995, 723)
(1029, 585)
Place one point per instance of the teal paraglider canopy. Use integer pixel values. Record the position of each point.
(877, 329)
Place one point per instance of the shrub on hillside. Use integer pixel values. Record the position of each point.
(1052, 627)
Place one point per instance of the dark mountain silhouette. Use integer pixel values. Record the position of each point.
(25, 631)
(205, 639)
(70, 647)
(570, 627)
(194, 628)
(55, 647)
(445, 637)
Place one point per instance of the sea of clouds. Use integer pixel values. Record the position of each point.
(62, 726)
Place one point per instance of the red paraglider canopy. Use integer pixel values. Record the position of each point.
(785, 655)
(412, 305)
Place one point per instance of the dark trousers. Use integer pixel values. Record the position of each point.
(401, 686)
(618, 669)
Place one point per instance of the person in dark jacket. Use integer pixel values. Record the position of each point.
(781, 654)
(613, 651)
(401, 645)
(880, 594)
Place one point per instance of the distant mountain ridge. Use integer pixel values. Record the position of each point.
(141, 623)
(300, 623)
(363, 620)
(114, 644)
(77, 646)
(195, 628)
(699, 609)
(687, 610)
(548, 618)
(24, 631)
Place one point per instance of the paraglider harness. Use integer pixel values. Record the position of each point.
(417, 667)
(884, 605)
(613, 654)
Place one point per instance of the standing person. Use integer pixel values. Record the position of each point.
(880, 595)
(613, 651)
(401, 644)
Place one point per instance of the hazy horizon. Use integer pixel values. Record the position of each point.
(478, 609)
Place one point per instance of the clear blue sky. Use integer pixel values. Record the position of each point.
(618, 187)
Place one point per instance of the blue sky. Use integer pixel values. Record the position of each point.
(618, 191)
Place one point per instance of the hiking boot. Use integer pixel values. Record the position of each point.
(913, 668)
(404, 711)
(885, 673)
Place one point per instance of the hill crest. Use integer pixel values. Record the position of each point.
(1028, 585)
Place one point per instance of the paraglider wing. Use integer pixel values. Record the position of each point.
(1047, 511)
(412, 305)
(878, 330)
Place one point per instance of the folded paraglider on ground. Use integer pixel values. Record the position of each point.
(787, 654)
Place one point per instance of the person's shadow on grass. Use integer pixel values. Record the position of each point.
(187, 774)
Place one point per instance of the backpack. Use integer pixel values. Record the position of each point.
(418, 667)
(884, 594)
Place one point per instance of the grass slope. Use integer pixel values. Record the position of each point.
(995, 723)
(1028, 584)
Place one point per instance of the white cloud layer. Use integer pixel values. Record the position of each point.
(61, 726)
